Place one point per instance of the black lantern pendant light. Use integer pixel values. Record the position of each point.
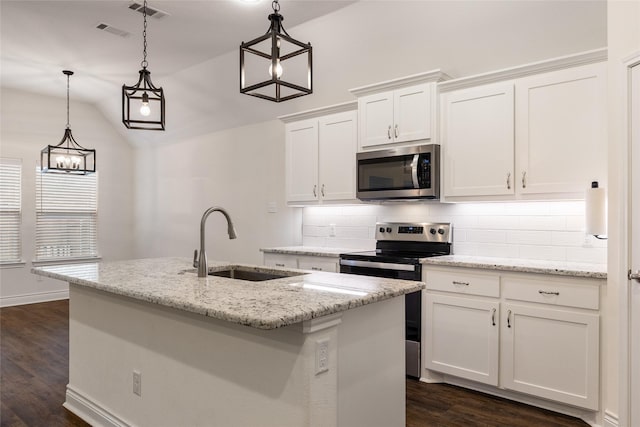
(275, 66)
(68, 156)
(143, 104)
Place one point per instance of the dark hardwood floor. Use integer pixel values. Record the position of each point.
(34, 350)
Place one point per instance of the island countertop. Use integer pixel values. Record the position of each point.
(270, 304)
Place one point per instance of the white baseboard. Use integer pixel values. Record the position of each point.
(33, 298)
(610, 420)
(90, 411)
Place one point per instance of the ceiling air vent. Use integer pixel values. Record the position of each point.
(151, 11)
(113, 30)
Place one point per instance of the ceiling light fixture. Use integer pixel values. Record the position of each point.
(143, 104)
(265, 57)
(68, 156)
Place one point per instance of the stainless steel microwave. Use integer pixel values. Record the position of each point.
(399, 173)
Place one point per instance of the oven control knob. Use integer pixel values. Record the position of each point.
(441, 231)
(432, 231)
(388, 229)
(382, 229)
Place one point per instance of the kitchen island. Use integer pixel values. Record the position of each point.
(153, 344)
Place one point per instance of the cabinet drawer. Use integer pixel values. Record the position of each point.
(280, 260)
(568, 293)
(470, 283)
(315, 264)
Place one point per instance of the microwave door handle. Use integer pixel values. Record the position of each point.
(414, 170)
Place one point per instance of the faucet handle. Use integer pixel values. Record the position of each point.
(195, 258)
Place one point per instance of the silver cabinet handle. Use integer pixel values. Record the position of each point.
(548, 292)
(509, 319)
(322, 190)
(279, 265)
(316, 268)
(389, 132)
(315, 193)
(460, 283)
(493, 317)
(395, 131)
(524, 179)
(634, 276)
(509, 181)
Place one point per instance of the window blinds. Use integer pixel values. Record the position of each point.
(10, 210)
(66, 216)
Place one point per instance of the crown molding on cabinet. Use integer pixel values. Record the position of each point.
(426, 77)
(562, 62)
(322, 111)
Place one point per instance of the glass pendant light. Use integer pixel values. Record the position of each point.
(68, 156)
(143, 104)
(275, 66)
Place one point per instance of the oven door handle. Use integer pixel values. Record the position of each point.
(380, 265)
(414, 170)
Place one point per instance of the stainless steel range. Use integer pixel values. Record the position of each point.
(400, 246)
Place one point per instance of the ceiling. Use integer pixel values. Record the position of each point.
(41, 38)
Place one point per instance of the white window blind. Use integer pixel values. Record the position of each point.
(66, 216)
(10, 210)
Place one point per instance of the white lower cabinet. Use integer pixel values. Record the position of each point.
(551, 353)
(462, 337)
(303, 262)
(530, 333)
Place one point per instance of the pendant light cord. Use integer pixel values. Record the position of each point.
(144, 62)
(67, 101)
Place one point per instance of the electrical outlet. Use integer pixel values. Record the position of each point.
(332, 230)
(322, 356)
(137, 383)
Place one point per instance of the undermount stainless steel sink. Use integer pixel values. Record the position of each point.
(253, 274)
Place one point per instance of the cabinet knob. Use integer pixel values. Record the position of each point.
(541, 292)
(279, 264)
(509, 181)
(509, 319)
(493, 317)
(460, 283)
(634, 276)
(395, 131)
(524, 179)
(315, 193)
(322, 190)
(389, 132)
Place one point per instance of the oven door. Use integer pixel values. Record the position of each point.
(412, 301)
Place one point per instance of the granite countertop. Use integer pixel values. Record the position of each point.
(271, 304)
(309, 250)
(575, 269)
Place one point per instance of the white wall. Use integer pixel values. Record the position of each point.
(29, 122)
(241, 170)
(623, 41)
(532, 230)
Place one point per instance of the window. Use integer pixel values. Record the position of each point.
(66, 216)
(10, 210)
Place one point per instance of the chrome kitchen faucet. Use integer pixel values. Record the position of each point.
(201, 263)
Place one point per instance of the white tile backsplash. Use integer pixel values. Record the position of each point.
(533, 230)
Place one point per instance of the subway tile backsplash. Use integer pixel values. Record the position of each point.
(532, 230)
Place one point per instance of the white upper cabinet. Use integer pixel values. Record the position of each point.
(397, 111)
(321, 155)
(540, 133)
(561, 134)
(479, 135)
(302, 161)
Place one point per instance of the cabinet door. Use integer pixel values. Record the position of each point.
(478, 141)
(337, 156)
(302, 161)
(561, 134)
(376, 119)
(412, 113)
(551, 353)
(280, 260)
(462, 337)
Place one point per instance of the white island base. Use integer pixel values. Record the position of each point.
(200, 371)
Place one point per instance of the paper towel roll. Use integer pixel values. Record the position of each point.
(596, 211)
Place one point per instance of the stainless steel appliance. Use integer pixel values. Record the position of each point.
(400, 246)
(399, 173)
